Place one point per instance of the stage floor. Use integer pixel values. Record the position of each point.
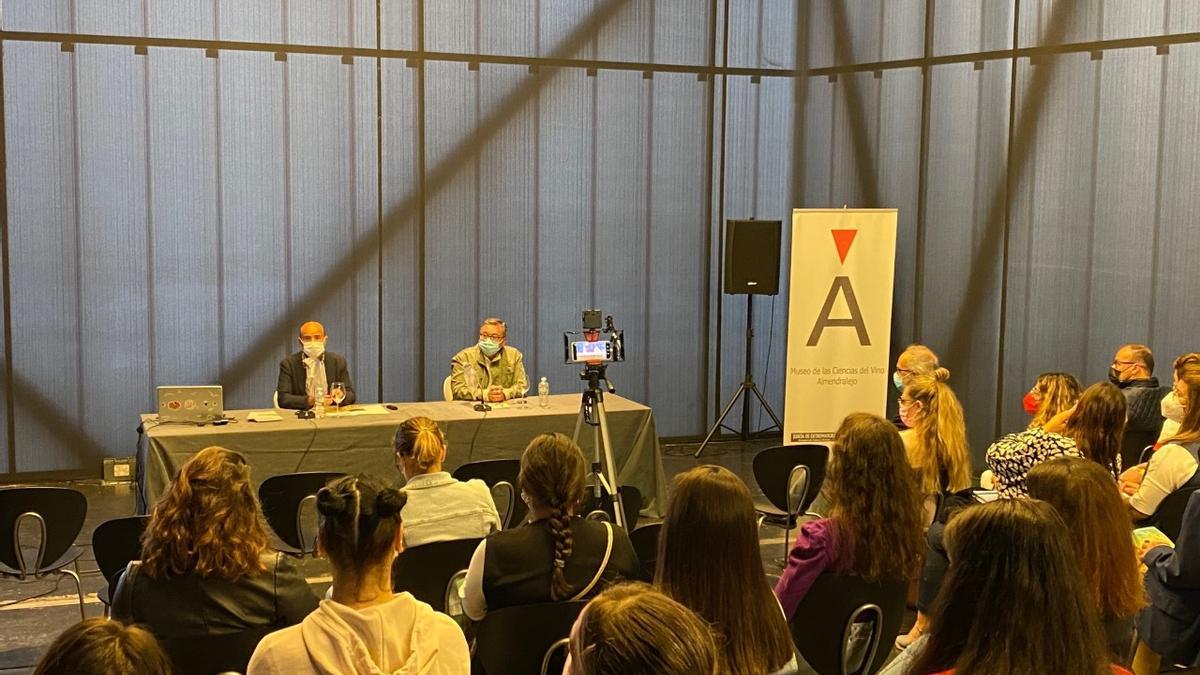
(29, 627)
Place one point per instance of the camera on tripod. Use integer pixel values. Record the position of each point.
(598, 346)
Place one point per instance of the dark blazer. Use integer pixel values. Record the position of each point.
(292, 377)
(1170, 624)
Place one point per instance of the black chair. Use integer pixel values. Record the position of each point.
(1133, 445)
(58, 514)
(283, 500)
(631, 502)
(645, 544)
(1169, 516)
(789, 492)
(492, 471)
(425, 570)
(504, 496)
(842, 620)
(556, 657)
(115, 543)
(515, 640)
(210, 654)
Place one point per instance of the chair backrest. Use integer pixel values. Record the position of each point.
(773, 469)
(447, 390)
(504, 495)
(61, 509)
(209, 654)
(845, 619)
(645, 544)
(1133, 444)
(1169, 516)
(425, 570)
(116, 542)
(492, 471)
(631, 502)
(514, 640)
(282, 497)
(797, 488)
(556, 657)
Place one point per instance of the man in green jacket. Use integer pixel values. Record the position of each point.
(489, 370)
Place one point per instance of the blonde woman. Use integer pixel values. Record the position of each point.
(1051, 394)
(936, 435)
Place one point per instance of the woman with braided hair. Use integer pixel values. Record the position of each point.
(364, 627)
(556, 555)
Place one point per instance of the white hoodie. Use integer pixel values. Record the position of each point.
(402, 636)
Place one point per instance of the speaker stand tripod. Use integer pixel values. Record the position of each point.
(592, 413)
(744, 390)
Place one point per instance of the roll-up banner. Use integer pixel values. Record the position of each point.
(839, 319)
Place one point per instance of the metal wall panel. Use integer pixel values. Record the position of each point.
(960, 292)
(193, 19)
(965, 26)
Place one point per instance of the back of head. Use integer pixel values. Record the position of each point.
(359, 518)
(632, 629)
(1086, 498)
(920, 360)
(723, 584)
(1187, 370)
(1140, 353)
(1057, 391)
(553, 476)
(1098, 425)
(103, 647)
(208, 522)
(1014, 600)
(420, 443)
(874, 499)
(941, 434)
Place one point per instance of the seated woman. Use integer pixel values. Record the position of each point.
(875, 518)
(1093, 428)
(1051, 394)
(723, 584)
(556, 555)
(364, 627)
(439, 507)
(1014, 600)
(936, 437)
(103, 647)
(1083, 494)
(1174, 465)
(632, 629)
(206, 568)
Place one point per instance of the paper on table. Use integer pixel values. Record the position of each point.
(355, 411)
(264, 416)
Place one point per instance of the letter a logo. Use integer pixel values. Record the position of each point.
(842, 239)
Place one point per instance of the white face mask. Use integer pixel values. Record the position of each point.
(1172, 409)
(314, 349)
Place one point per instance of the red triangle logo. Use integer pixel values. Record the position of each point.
(843, 239)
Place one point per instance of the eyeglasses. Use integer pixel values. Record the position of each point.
(902, 402)
(491, 336)
(1125, 363)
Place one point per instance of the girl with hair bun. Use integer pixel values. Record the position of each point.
(365, 627)
(556, 555)
(439, 508)
(936, 434)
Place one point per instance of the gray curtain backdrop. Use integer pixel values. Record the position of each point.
(183, 188)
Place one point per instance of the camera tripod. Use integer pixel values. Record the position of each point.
(591, 412)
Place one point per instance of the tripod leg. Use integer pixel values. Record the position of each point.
(766, 406)
(610, 466)
(578, 425)
(721, 420)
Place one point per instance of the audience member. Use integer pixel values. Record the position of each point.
(1169, 627)
(914, 361)
(1014, 600)
(1083, 494)
(1051, 394)
(1171, 406)
(723, 584)
(936, 434)
(556, 555)
(206, 568)
(1173, 466)
(103, 647)
(364, 627)
(1132, 371)
(1093, 428)
(439, 508)
(875, 518)
(632, 629)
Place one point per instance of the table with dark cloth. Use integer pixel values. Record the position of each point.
(363, 443)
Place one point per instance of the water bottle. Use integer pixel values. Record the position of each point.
(544, 393)
(319, 406)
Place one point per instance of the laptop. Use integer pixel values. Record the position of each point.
(190, 404)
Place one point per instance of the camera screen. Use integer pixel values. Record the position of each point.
(583, 351)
